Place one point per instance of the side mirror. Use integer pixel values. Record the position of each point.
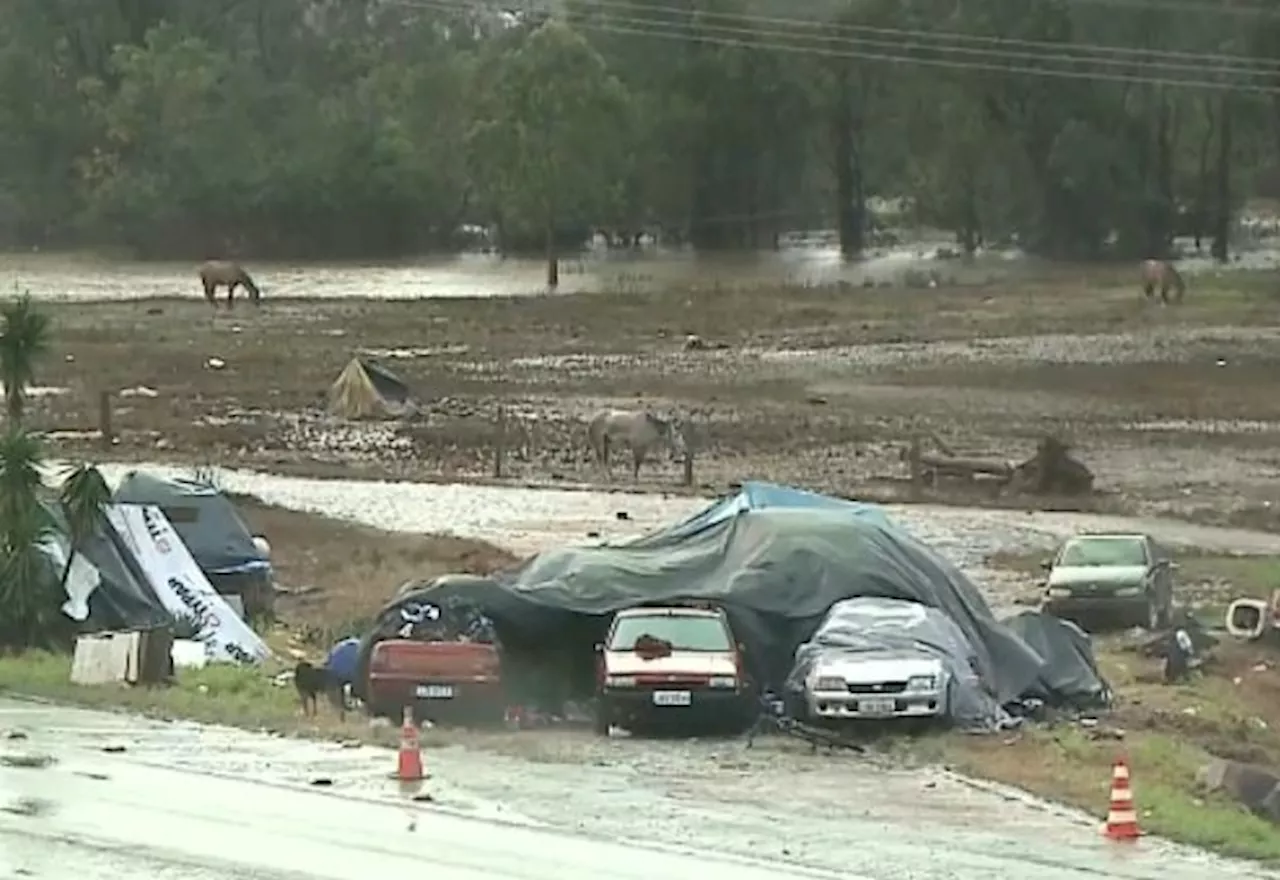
(598, 647)
(1046, 565)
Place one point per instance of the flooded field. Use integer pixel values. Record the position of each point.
(928, 260)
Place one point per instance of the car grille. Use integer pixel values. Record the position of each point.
(879, 687)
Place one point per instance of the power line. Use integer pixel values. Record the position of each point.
(756, 39)
(927, 40)
(1178, 7)
(942, 36)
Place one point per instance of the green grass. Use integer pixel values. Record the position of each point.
(1065, 765)
(238, 697)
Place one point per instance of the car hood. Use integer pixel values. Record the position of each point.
(1109, 575)
(871, 667)
(677, 663)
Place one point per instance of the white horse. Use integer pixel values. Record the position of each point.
(641, 432)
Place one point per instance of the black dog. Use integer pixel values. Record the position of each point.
(311, 681)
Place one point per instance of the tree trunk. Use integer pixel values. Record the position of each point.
(1200, 216)
(553, 262)
(1222, 219)
(850, 208)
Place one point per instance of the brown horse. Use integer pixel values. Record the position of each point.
(1162, 274)
(225, 273)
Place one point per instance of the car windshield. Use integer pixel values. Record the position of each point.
(1104, 551)
(682, 632)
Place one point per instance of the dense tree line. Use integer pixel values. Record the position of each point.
(340, 128)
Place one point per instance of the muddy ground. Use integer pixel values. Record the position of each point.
(1173, 408)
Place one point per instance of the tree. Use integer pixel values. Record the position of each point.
(551, 136)
(30, 612)
(24, 336)
(83, 497)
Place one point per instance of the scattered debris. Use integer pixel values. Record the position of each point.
(1052, 471)
(14, 734)
(28, 807)
(114, 749)
(26, 762)
(139, 391)
(214, 363)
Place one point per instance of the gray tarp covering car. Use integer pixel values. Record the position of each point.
(775, 558)
(874, 628)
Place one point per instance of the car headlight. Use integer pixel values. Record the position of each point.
(830, 683)
(620, 681)
(1059, 592)
(922, 683)
(1129, 591)
(723, 681)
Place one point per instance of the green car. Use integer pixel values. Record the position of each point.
(1122, 578)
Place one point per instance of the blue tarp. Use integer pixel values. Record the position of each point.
(765, 496)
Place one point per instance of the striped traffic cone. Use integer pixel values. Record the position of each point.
(409, 765)
(1122, 817)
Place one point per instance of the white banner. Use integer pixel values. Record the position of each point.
(181, 586)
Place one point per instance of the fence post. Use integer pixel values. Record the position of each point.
(688, 467)
(500, 446)
(104, 419)
(917, 469)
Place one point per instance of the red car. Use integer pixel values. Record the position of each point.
(662, 666)
(442, 680)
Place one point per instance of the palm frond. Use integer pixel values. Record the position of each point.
(83, 496)
(21, 480)
(24, 337)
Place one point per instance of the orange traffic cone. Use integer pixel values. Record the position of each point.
(409, 765)
(1122, 817)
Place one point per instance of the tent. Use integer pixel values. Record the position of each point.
(107, 588)
(213, 531)
(776, 559)
(365, 390)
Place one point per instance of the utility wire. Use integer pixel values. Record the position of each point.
(849, 48)
(836, 27)
(923, 40)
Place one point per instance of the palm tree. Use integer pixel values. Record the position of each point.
(29, 600)
(83, 497)
(24, 337)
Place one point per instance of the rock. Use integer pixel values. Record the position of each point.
(1256, 788)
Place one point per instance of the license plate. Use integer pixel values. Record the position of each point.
(672, 698)
(435, 692)
(876, 707)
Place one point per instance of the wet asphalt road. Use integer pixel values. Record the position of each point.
(190, 802)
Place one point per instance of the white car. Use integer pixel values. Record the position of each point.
(869, 661)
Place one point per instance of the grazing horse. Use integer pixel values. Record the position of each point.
(1162, 273)
(640, 431)
(225, 273)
